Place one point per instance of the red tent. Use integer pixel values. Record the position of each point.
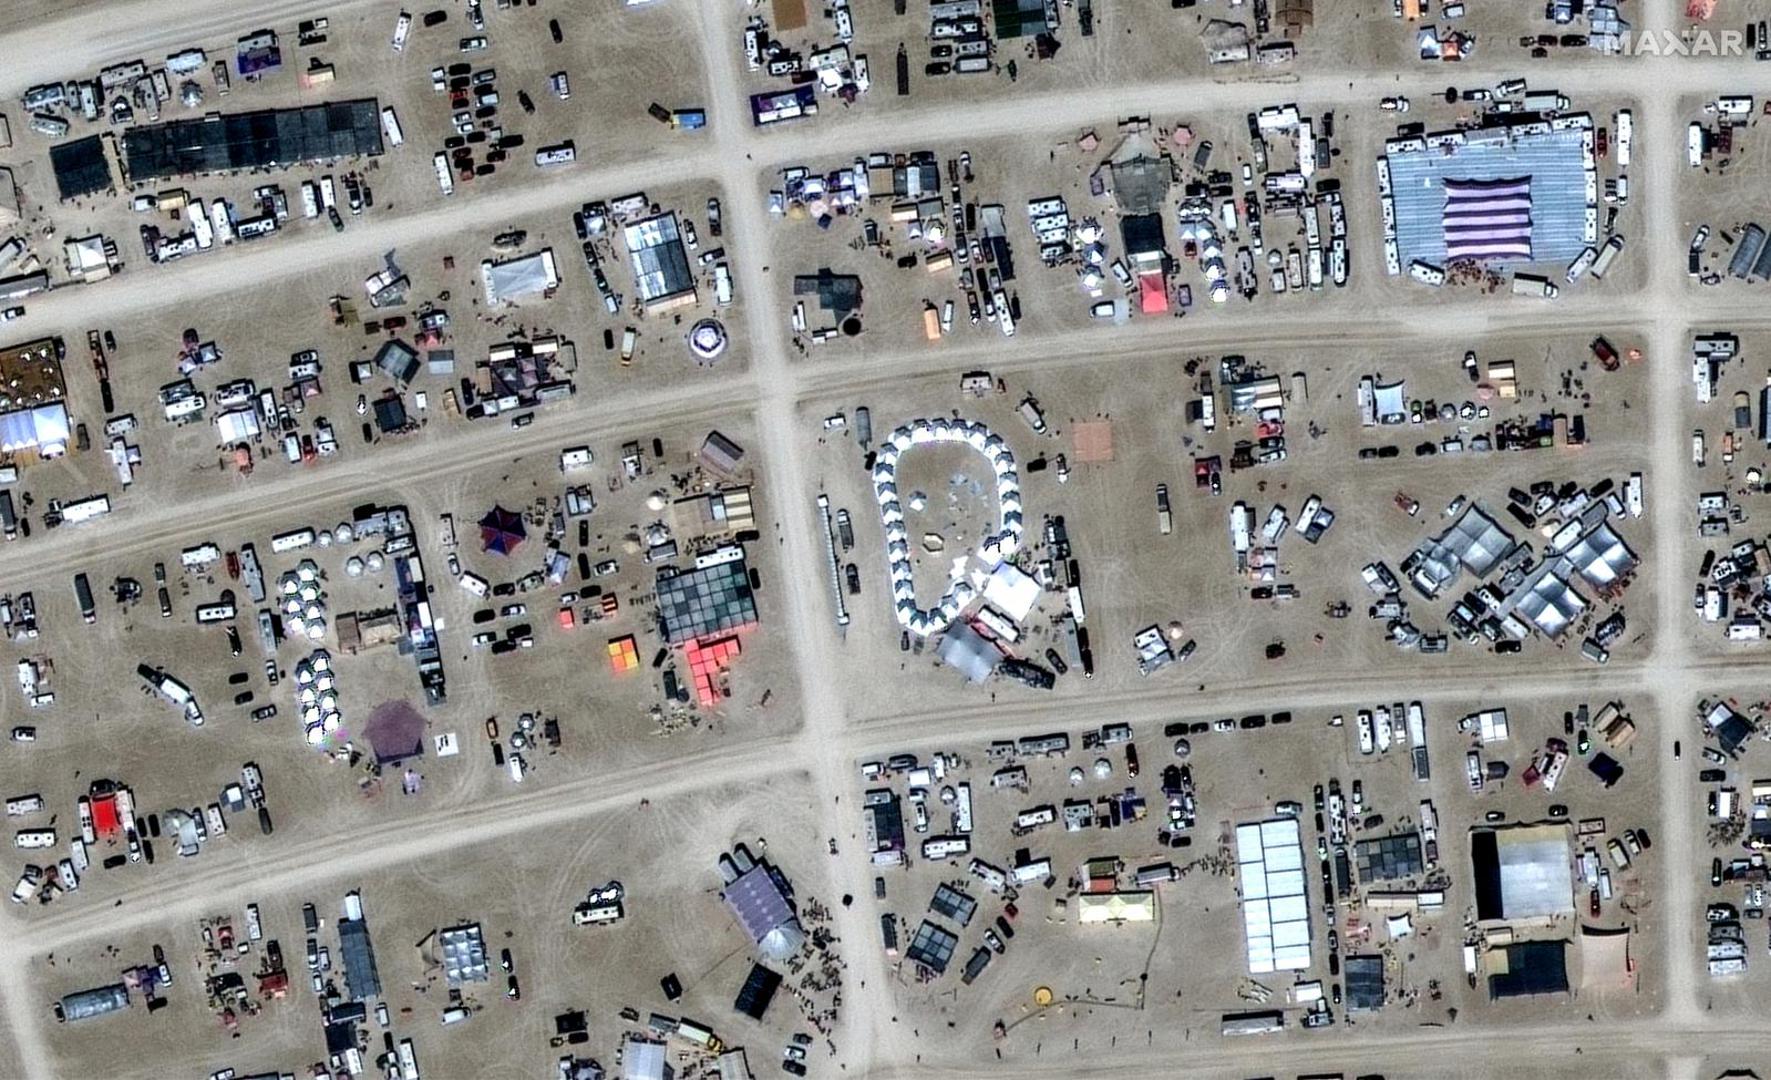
(105, 821)
(1152, 294)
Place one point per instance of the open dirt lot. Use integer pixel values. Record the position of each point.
(1134, 577)
(599, 969)
(1109, 980)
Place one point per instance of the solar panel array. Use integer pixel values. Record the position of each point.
(708, 600)
(1275, 909)
(932, 946)
(1390, 858)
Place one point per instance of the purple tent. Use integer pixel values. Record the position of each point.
(501, 531)
(396, 732)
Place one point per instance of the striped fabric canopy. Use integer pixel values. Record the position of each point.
(1488, 219)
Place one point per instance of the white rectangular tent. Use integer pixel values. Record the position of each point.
(1275, 907)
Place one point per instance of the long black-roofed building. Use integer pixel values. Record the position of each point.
(267, 138)
(361, 978)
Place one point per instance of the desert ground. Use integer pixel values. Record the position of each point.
(779, 759)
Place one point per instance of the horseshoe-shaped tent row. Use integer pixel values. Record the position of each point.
(993, 551)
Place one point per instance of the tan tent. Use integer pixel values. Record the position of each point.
(1605, 960)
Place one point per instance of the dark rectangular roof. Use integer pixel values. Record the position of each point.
(888, 824)
(1388, 858)
(1002, 256)
(347, 1010)
(398, 360)
(1365, 982)
(81, 167)
(840, 293)
(954, 904)
(251, 140)
(390, 415)
(1485, 864)
(1732, 732)
(932, 946)
(1142, 233)
(1533, 967)
(757, 992)
(1019, 18)
(360, 975)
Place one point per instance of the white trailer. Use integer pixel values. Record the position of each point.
(390, 126)
(200, 227)
(223, 220)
